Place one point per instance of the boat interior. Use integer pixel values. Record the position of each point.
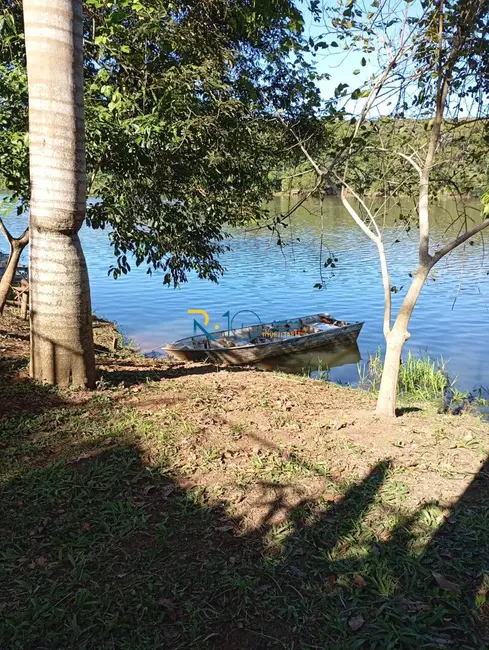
(261, 334)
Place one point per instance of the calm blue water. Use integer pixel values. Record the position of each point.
(451, 318)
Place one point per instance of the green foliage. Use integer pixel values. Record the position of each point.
(373, 171)
(14, 159)
(372, 148)
(485, 202)
(178, 125)
(420, 378)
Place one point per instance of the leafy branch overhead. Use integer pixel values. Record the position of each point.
(181, 145)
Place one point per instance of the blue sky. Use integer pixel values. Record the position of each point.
(339, 64)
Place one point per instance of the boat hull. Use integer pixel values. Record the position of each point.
(253, 353)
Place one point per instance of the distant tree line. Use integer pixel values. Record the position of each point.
(463, 169)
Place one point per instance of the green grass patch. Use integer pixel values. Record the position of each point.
(103, 547)
(420, 378)
(316, 370)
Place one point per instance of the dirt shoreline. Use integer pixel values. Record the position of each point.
(278, 413)
(261, 461)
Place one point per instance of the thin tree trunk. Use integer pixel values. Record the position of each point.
(24, 304)
(17, 245)
(386, 401)
(61, 325)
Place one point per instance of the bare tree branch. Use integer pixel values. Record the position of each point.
(402, 155)
(5, 232)
(458, 241)
(356, 218)
(311, 160)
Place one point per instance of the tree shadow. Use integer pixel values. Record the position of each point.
(105, 549)
(407, 409)
(131, 372)
(446, 582)
(20, 396)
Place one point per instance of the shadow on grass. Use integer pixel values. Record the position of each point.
(21, 397)
(102, 548)
(10, 365)
(132, 372)
(17, 335)
(407, 409)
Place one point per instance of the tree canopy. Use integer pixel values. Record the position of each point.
(180, 135)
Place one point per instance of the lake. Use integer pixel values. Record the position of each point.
(266, 281)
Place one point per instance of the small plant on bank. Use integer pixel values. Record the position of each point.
(421, 378)
(322, 372)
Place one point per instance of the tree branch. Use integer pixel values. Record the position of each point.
(458, 241)
(24, 238)
(386, 281)
(402, 155)
(353, 214)
(306, 153)
(5, 232)
(382, 256)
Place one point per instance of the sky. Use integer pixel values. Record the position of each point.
(335, 62)
(339, 64)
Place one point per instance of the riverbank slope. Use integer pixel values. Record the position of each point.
(184, 506)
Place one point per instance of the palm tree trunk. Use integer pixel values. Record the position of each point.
(61, 325)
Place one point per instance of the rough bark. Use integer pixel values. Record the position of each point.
(17, 245)
(60, 311)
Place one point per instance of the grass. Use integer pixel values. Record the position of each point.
(420, 378)
(104, 549)
(122, 522)
(316, 371)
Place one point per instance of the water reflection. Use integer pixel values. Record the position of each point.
(315, 361)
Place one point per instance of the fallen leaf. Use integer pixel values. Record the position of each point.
(169, 607)
(415, 606)
(225, 529)
(445, 584)
(356, 622)
(359, 581)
